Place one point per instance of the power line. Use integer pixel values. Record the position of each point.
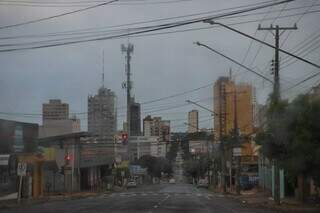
(234, 61)
(169, 32)
(56, 16)
(183, 16)
(88, 30)
(161, 27)
(83, 3)
(251, 42)
(267, 44)
(298, 20)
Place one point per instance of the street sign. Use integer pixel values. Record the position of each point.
(22, 169)
(236, 152)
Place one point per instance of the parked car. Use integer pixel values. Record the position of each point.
(172, 181)
(202, 183)
(131, 184)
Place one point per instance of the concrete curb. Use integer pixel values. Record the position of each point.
(268, 204)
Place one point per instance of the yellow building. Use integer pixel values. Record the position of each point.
(35, 162)
(227, 96)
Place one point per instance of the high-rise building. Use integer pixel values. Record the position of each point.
(102, 114)
(193, 121)
(227, 96)
(157, 127)
(135, 118)
(233, 104)
(54, 110)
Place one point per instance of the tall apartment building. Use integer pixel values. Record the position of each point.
(135, 118)
(156, 127)
(230, 98)
(193, 121)
(56, 121)
(227, 96)
(102, 114)
(54, 110)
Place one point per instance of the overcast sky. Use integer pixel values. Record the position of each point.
(162, 65)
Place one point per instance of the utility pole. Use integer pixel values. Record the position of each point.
(223, 159)
(128, 50)
(236, 140)
(276, 95)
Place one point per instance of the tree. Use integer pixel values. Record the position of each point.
(197, 166)
(292, 136)
(155, 166)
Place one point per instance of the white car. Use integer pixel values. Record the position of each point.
(203, 183)
(131, 184)
(172, 181)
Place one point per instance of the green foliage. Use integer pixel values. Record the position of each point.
(155, 166)
(292, 136)
(172, 153)
(197, 166)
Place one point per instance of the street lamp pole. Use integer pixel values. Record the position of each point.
(222, 149)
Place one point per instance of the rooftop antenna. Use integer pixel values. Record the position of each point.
(230, 73)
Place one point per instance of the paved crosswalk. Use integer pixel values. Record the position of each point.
(147, 194)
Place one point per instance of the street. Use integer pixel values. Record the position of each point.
(177, 167)
(153, 198)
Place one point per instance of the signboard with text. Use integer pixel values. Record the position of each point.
(22, 169)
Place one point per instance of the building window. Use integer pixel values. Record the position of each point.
(18, 139)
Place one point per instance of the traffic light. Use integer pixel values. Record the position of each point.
(67, 159)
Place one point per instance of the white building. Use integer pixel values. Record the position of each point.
(200, 146)
(143, 145)
(102, 114)
(158, 149)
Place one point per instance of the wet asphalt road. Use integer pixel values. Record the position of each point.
(149, 199)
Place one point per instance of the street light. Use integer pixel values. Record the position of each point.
(234, 61)
(195, 103)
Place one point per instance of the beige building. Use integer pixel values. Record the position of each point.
(54, 110)
(193, 121)
(56, 121)
(59, 127)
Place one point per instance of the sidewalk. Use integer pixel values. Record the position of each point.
(11, 201)
(261, 199)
